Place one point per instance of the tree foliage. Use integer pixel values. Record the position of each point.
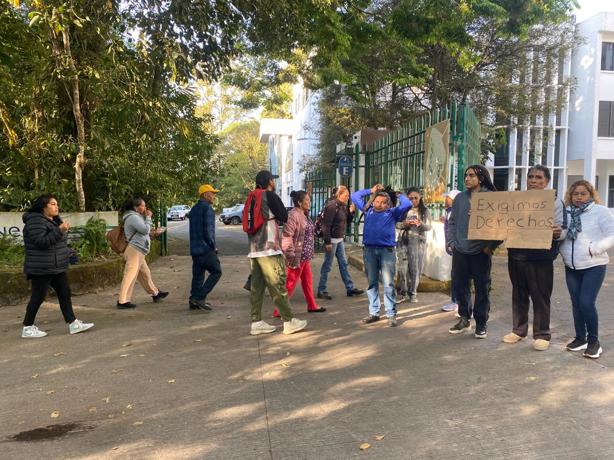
(240, 156)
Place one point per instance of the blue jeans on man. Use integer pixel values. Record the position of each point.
(583, 286)
(208, 262)
(380, 260)
(337, 251)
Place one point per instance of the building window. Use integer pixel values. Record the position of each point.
(519, 146)
(611, 192)
(605, 127)
(518, 179)
(607, 56)
(557, 148)
(502, 154)
(500, 179)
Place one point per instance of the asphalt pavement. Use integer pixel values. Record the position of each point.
(161, 382)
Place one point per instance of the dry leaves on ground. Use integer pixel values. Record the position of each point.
(365, 446)
(55, 414)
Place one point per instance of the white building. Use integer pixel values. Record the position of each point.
(292, 141)
(540, 138)
(591, 138)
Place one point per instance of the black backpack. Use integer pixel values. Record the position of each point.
(317, 225)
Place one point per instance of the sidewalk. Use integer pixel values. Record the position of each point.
(165, 383)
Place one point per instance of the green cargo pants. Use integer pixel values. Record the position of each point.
(270, 272)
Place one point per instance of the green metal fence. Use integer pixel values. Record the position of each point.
(397, 159)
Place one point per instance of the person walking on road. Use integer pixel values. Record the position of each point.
(449, 199)
(337, 216)
(471, 259)
(584, 251)
(379, 240)
(203, 249)
(532, 274)
(411, 247)
(266, 257)
(297, 243)
(46, 263)
(137, 228)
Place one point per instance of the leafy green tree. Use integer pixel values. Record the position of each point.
(240, 155)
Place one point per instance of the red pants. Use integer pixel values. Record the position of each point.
(303, 273)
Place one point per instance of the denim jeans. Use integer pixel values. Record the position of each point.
(338, 251)
(583, 286)
(200, 264)
(380, 260)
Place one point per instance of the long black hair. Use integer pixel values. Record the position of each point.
(131, 203)
(421, 208)
(41, 202)
(483, 176)
(298, 196)
(392, 194)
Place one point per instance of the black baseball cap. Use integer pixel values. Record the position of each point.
(263, 178)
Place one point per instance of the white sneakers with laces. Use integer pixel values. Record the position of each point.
(261, 327)
(32, 332)
(294, 325)
(79, 326)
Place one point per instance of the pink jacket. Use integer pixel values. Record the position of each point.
(293, 236)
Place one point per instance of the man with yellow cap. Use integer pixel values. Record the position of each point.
(203, 249)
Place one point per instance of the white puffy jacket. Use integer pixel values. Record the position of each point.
(597, 236)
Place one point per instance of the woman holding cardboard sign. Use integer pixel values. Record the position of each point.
(584, 251)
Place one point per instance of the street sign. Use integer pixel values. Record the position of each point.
(345, 165)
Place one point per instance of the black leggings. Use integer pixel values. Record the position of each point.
(40, 286)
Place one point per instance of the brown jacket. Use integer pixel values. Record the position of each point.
(293, 237)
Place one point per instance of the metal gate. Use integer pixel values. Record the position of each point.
(397, 159)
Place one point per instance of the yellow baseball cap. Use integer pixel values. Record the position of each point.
(206, 188)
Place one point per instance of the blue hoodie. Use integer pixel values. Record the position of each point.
(379, 229)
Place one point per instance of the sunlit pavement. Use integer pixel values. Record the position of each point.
(164, 382)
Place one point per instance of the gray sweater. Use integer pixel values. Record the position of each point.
(136, 229)
(458, 227)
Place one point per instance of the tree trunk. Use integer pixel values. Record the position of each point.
(64, 62)
(76, 110)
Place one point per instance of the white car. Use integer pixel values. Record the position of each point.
(178, 212)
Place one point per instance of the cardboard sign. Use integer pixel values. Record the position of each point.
(521, 219)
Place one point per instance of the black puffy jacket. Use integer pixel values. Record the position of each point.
(45, 244)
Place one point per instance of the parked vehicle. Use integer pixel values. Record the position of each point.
(232, 215)
(178, 212)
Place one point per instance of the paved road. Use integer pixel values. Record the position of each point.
(230, 238)
(161, 382)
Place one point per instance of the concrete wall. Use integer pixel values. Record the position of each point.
(11, 223)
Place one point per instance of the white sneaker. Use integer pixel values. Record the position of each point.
(452, 306)
(78, 326)
(32, 332)
(260, 327)
(294, 325)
